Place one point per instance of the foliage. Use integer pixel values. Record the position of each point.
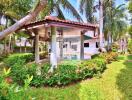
(130, 6)
(43, 54)
(130, 46)
(14, 58)
(92, 67)
(19, 71)
(87, 8)
(130, 30)
(115, 83)
(113, 24)
(9, 91)
(3, 56)
(67, 72)
(115, 47)
(109, 57)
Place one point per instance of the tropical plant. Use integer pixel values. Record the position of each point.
(114, 24)
(10, 91)
(87, 8)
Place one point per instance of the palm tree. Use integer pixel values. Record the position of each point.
(87, 8)
(56, 7)
(114, 25)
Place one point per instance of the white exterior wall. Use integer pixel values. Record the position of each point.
(88, 51)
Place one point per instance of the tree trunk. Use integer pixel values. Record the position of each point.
(27, 19)
(108, 41)
(101, 22)
(61, 44)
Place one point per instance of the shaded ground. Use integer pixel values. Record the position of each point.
(124, 79)
(115, 84)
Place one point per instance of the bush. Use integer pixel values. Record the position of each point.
(67, 73)
(40, 80)
(9, 91)
(13, 58)
(19, 72)
(130, 46)
(109, 57)
(63, 75)
(115, 47)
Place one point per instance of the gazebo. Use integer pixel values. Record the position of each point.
(47, 29)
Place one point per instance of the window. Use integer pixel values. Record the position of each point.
(86, 44)
(74, 47)
(65, 46)
(97, 44)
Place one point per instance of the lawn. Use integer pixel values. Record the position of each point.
(115, 84)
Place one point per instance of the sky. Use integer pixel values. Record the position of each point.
(76, 5)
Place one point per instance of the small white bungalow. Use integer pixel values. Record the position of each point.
(72, 44)
(67, 39)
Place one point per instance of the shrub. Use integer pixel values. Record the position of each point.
(89, 68)
(130, 46)
(43, 55)
(66, 72)
(13, 58)
(109, 57)
(40, 80)
(10, 91)
(63, 75)
(19, 72)
(115, 47)
(3, 56)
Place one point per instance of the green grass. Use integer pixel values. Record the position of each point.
(115, 84)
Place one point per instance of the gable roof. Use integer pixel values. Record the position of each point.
(54, 21)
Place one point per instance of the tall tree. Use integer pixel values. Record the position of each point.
(114, 24)
(87, 8)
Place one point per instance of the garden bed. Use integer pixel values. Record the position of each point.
(67, 72)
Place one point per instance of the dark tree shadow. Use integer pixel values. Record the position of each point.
(124, 80)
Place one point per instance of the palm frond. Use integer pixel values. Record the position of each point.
(68, 7)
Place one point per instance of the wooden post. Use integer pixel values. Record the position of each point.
(53, 56)
(82, 46)
(61, 44)
(37, 48)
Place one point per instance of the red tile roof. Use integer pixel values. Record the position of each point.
(52, 18)
(58, 22)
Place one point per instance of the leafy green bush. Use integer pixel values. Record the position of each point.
(63, 75)
(66, 72)
(13, 58)
(19, 71)
(109, 57)
(69, 72)
(9, 91)
(115, 47)
(130, 46)
(40, 80)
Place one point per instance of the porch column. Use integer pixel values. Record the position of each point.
(82, 46)
(53, 56)
(37, 48)
(61, 44)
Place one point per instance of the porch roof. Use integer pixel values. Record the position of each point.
(54, 21)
